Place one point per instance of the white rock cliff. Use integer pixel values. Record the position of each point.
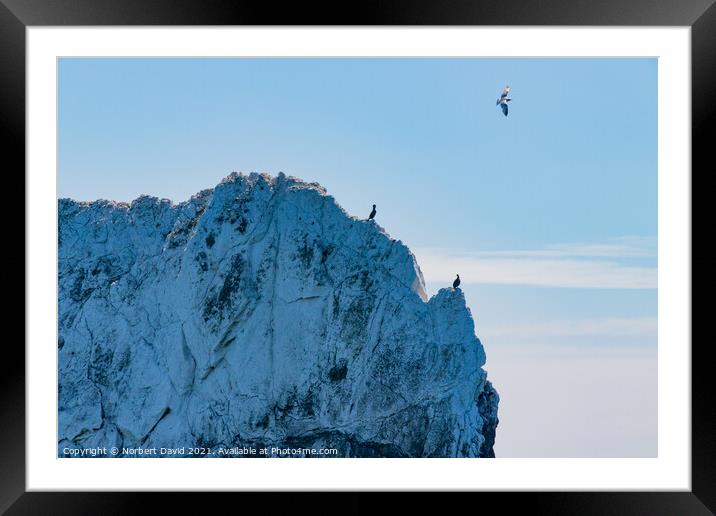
(260, 314)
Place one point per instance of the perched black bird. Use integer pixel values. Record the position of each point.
(372, 213)
(456, 283)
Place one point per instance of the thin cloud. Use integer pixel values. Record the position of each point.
(606, 327)
(622, 248)
(557, 266)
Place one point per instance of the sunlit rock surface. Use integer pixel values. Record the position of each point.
(260, 314)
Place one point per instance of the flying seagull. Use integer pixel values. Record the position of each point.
(503, 100)
(372, 213)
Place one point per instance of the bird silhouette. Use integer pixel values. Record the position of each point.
(456, 283)
(503, 100)
(372, 213)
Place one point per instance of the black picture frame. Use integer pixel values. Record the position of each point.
(17, 15)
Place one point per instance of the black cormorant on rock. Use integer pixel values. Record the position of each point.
(456, 283)
(372, 213)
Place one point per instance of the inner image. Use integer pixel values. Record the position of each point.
(357, 257)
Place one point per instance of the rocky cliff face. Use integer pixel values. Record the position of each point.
(260, 314)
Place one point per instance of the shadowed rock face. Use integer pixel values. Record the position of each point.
(260, 314)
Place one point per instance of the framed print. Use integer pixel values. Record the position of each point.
(440, 249)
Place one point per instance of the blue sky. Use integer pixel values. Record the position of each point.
(549, 215)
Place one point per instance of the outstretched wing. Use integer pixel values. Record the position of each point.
(504, 108)
(505, 92)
